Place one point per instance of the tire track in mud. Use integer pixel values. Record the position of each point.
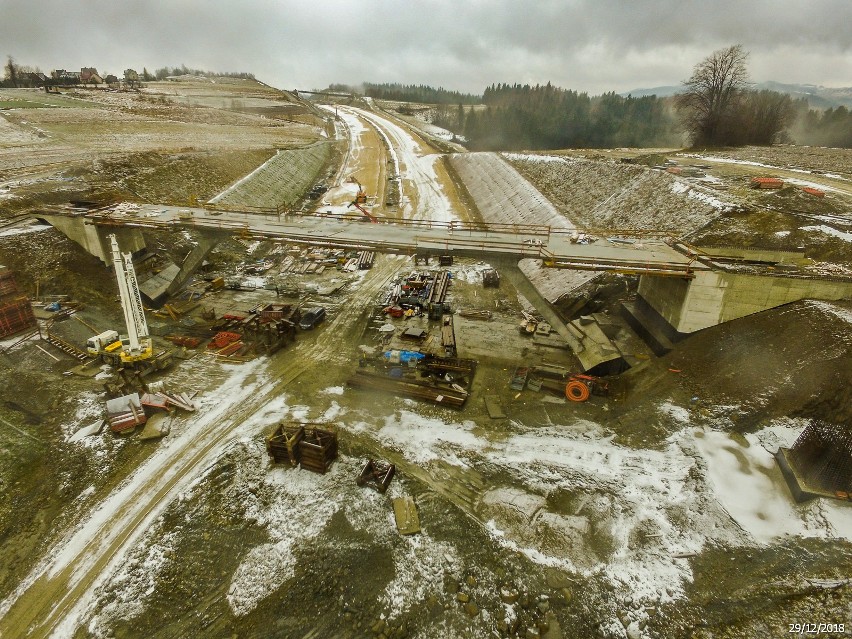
(54, 604)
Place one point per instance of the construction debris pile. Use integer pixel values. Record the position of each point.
(150, 408)
(558, 381)
(264, 330)
(419, 292)
(313, 260)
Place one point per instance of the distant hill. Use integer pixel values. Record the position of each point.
(818, 97)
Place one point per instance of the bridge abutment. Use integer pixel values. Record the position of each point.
(714, 297)
(94, 238)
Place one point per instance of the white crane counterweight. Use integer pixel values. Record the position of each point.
(138, 345)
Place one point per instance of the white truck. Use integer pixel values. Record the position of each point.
(99, 343)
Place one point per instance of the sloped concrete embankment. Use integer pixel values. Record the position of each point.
(281, 181)
(504, 196)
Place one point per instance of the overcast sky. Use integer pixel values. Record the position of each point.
(465, 45)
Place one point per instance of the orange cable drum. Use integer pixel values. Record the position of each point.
(577, 391)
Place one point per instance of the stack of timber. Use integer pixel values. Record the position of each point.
(366, 259)
(474, 314)
(438, 291)
(448, 336)
(405, 388)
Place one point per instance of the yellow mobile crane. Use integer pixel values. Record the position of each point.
(137, 345)
(136, 349)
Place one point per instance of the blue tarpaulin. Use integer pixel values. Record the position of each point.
(403, 356)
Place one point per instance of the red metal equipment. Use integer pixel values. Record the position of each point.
(366, 213)
(222, 339)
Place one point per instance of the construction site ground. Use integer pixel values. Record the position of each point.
(655, 512)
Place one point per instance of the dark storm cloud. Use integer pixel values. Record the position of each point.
(590, 45)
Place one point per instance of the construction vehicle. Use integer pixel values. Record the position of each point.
(103, 342)
(135, 350)
(580, 387)
(361, 196)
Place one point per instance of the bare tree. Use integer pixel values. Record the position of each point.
(12, 72)
(709, 104)
(765, 114)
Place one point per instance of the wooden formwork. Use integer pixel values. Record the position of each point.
(317, 450)
(283, 444)
(295, 444)
(376, 475)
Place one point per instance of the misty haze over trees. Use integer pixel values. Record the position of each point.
(546, 117)
(396, 92)
(717, 108)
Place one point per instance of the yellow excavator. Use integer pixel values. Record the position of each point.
(361, 195)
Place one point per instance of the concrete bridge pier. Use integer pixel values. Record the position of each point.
(95, 239)
(173, 278)
(512, 272)
(594, 351)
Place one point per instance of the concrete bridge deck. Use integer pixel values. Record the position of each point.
(502, 241)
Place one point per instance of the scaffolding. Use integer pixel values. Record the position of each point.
(16, 312)
(822, 456)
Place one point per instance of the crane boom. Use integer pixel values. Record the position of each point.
(139, 343)
(366, 213)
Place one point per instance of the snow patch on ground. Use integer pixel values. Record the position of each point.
(846, 236)
(423, 439)
(652, 496)
(838, 311)
(304, 503)
(90, 405)
(535, 158)
(814, 185)
(135, 582)
(678, 413)
(680, 187)
(79, 548)
(21, 230)
(419, 562)
(749, 484)
(472, 274)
